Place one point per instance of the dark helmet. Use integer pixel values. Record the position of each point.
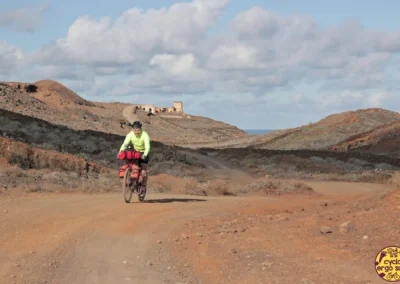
(136, 124)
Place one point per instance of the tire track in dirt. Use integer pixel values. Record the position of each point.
(68, 238)
(97, 238)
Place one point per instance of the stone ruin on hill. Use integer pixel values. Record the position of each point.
(151, 108)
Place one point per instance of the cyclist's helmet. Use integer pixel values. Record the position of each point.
(136, 124)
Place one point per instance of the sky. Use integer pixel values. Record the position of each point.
(253, 64)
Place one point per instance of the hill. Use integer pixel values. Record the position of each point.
(332, 130)
(51, 101)
(383, 140)
(31, 143)
(57, 95)
(367, 130)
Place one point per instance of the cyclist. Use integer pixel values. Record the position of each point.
(140, 140)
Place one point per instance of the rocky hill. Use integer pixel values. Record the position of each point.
(53, 102)
(383, 140)
(57, 95)
(367, 130)
(31, 143)
(331, 130)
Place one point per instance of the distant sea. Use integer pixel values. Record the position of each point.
(257, 131)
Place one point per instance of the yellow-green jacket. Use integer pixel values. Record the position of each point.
(140, 143)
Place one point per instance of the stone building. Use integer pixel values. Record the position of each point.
(148, 108)
(178, 106)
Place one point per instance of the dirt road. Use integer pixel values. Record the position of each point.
(81, 238)
(67, 238)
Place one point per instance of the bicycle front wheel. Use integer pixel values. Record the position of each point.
(126, 186)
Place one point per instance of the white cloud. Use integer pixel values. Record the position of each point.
(173, 64)
(346, 100)
(136, 36)
(26, 20)
(237, 56)
(378, 99)
(170, 51)
(258, 23)
(10, 58)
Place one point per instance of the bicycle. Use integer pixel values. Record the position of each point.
(132, 176)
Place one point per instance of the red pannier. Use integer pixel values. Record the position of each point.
(122, 171)
(135, 171)
(129, 155)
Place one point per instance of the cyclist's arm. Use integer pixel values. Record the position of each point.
(146, 139)
(126, 142)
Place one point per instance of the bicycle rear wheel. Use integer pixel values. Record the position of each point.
(141, 192)
(125, 186)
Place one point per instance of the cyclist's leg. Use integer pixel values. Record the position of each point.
(144, 165)
(144, 173)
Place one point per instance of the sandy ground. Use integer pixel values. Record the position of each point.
(83, 238)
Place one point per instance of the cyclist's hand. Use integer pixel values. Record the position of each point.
(143, 157)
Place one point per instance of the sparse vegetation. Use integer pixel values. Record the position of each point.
(209, 188)
(160, 187)
(395, 180)
(58, 181)
(45, 145)
(269, 187)
(12, 172)
(46, 157)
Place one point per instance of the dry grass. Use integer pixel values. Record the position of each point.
(12, 172)
(220, 187)
(364, 176)
(45, 181)
(159, 186)
(370, 176)
(395, 180)
(269, 187)
(209, 188)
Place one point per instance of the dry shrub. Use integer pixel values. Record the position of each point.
(159, 186)
(395, 180)
(209, 188)
(218, 187)
(102, 183)
(269, 187)
(72, 182)
(192, 187)
(370, 176)
(36, 188)
(299, 187)
(364, 176)
(13, 172)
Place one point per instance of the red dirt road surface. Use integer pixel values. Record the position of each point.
(84, 238)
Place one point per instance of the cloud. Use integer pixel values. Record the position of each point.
(136, 36)
(10, 58)
(258, 23)
(173, 64)
(264, 56)
(170, 51)
(25, 20)
(344, 101)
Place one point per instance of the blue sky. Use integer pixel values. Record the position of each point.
(61, 14)
(317, 66)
